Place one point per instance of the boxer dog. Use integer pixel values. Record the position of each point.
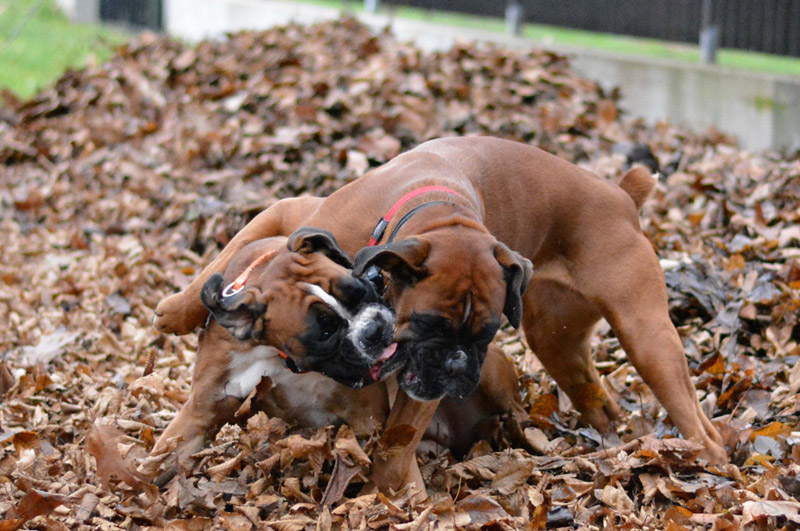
(297, 295)
(331, 323)
(453, 209)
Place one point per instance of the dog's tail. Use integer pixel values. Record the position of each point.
(638, 183)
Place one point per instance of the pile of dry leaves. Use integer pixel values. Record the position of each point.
(121, 181)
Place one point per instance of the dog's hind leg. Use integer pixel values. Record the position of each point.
(631, 294)
(558, 323)
(183, 312)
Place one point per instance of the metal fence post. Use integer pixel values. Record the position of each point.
(709, 35)
(514, 17)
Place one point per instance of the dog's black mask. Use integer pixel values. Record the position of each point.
(441, 361)
(347, 351)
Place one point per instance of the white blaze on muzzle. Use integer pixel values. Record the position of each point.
(328, 299)
(356, 324)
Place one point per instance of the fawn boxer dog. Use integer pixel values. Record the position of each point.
(297, 294)
(453, 209)
(291, 304)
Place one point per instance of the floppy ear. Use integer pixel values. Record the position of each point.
(307, 240)
(242, 315)
(402, 259)
(517, 271)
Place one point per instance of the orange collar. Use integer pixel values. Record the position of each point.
(236, 286)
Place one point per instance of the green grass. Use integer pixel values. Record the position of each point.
(564, 37)
(38, 42)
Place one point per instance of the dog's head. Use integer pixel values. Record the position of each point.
(299, 296)
(449, 288)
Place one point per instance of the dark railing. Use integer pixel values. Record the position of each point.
(770, 26)
(135, 13)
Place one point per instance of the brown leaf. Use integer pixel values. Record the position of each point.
(343, 472)
(255, 398)
(481, 510)
(512, 475)
(34, 503)
(346, 444)
(102, 442)
(7, 380)
(221, 471)
(153, 384)
(88, 504)
(759, 511)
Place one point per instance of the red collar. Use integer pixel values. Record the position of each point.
(380, 228)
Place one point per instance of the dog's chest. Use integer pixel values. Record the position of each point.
(304, 397)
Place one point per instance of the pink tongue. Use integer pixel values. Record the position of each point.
(388, 353)
(375, 370)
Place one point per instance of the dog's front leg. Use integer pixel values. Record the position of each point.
(395, 463)
(190, 427)
(183, 312)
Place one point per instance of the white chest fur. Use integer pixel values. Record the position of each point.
(306, 393)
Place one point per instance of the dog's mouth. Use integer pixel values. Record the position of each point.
(432, 372)
(388, 353)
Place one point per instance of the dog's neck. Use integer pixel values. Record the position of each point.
(436, 216)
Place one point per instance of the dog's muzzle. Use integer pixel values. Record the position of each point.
(456, 363)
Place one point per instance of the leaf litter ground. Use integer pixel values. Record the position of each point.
(121, 181)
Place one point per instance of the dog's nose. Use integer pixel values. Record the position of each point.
(372, 333)
(456, 364)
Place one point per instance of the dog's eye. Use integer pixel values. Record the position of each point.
(328, 324)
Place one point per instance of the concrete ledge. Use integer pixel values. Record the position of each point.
(84, 11)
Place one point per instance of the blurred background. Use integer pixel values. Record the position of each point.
(729, 64)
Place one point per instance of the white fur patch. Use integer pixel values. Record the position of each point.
(246, 369)
(305, 394)
(328, 299)
(367, 314)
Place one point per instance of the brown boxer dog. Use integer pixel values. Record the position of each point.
(288, 308)
(452, 207)
(297, 295)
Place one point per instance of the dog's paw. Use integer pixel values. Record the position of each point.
(714, 452)
(174, 316)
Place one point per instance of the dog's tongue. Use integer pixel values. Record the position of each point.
(388, 353)
(375, 370)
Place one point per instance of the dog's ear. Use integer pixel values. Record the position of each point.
(402, 260)
(517, 271)
(307, 240)
(242, 315)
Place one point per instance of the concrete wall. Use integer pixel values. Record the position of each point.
(762, 110)
(87, 11)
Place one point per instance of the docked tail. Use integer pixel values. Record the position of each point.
(638, 183)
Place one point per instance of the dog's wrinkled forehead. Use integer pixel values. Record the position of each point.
(426, 326)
